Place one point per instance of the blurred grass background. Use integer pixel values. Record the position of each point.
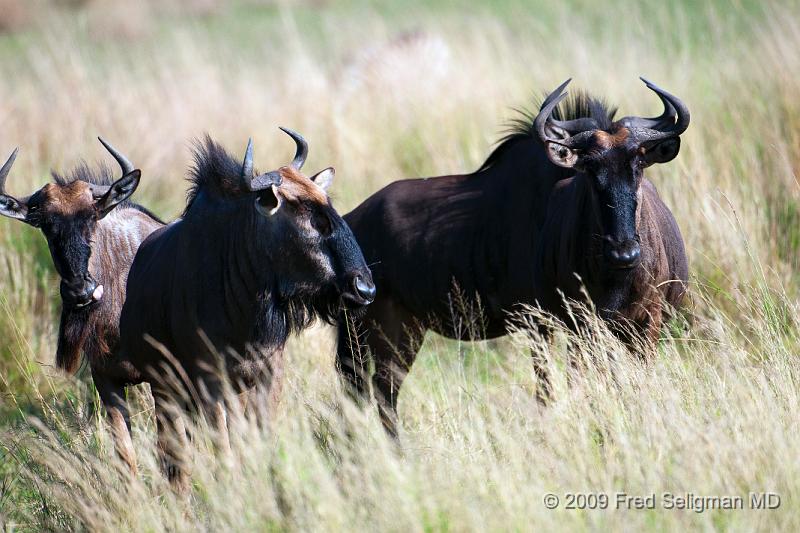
(388, 90)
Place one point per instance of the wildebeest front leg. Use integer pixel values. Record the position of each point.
(172, 443)
(393, 340)
(113, 397)
(266, 389)
(397, 355)
(651, 331)
(275, 380)
(388, 334)
(212, 399)
(351, 356)
(543, 386)
(219, 420)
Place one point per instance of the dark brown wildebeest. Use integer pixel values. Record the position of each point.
(556, 200)
(254, 258)
(93, 231)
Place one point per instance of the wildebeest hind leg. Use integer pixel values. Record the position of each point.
(113, 397)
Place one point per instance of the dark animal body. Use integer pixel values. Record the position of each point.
(252, 260)
(93, 231)
(558, 204)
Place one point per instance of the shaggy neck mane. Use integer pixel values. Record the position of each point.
(215, 171)
(578, 105)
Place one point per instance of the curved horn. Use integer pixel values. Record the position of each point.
(5, 170)
(302, 148)
(546, 110)
(577, 125)
(125, 165)
(573, 126)
(581, 127)
(266, 180)
(247, 164)
(672, 122)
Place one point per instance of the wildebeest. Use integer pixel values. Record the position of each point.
(562, 201)
(93, 232)
(254, 258)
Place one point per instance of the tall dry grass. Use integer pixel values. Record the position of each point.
(384, 92)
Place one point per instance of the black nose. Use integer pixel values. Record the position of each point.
(364, 288)
(624, 255)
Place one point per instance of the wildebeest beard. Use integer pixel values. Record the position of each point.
(74, 331)
(283, 313)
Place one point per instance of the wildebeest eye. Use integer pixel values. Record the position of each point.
(662, 151)
(588, 165)
(322, 223)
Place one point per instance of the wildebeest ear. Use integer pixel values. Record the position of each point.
(268, 201)
(13, 208)
(662, 152)
(119, 191)
(324, 178)
(561, 155)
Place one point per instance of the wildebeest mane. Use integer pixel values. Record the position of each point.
(100, 175)
(214, 170)
(577, 105)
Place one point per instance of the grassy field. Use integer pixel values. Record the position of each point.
(392, 90)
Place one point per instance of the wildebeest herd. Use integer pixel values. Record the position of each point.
(560, 210)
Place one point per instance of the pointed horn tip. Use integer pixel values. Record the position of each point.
(555, 101)
(6, 168)
(650, 85)
(247, 163)
(12, 157)
(563, 85)
(290, 132)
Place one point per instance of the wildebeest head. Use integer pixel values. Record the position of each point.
(317, 248)
(67, 213)
(614, 159)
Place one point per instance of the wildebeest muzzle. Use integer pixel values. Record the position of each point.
(622, 254)
(360, 290)
(80, 293)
